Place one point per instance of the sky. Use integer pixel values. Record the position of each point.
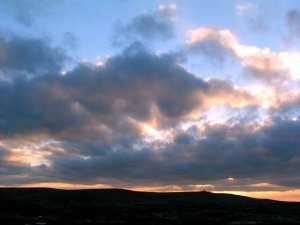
(151, 95)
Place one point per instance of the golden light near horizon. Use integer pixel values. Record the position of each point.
(286, 195)
(67, 186)
(289, 196)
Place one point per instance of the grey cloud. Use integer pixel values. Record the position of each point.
(267, 75)
(293, 22)
(289, 108)
(219, 46)
(29, 55)
(9, 168)
(107, 100)
(92, 112)
(268, 155)
(4, 153)
(25, 11)
(146, 26)
(212, 49)
(149, 26)
(13, 174)
(213, 44)
(258, 24)
(128, 86)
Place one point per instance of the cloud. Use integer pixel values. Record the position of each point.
(10, 168)
(292, 20)
(260, 63)
(242, 7)
(3, 153)
(131, 88)
(105, 119)
(148, 26)
(215, 44)
(224, 92)
(256, 20)
(70, 40)
(129, 85)
(24, 12)
(258, 23)
(250, 157)
(29, 55)
(141, 118)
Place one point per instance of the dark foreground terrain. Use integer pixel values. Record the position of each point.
(41, 206)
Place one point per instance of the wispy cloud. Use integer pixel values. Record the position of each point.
(240, 8)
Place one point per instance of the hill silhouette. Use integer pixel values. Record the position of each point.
(118, 206)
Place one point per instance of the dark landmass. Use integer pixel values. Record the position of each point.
(45, 206)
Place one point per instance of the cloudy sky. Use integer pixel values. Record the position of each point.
(151, 95)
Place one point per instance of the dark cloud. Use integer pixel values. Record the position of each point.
(126, 88)
(147, 26)
(3, 153)
(131, 88)
(96, 114)
(11, 168)
(249, 156)
(29, 55)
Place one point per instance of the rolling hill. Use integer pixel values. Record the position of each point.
(117, 206)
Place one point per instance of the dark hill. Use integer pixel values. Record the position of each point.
(117, 206)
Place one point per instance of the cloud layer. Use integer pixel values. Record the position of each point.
(141, 118)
